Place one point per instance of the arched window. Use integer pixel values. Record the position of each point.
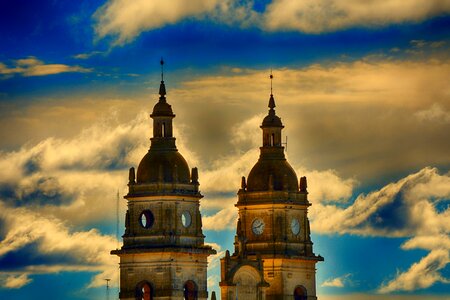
(300, 293)
(272, 139)
(190, 290)
(163, 129)
(144, 291)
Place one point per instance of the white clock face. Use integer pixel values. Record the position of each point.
(258, 226)
(186, 219)
(295, 226)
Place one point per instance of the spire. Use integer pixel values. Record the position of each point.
(271, 100)
(162, 87)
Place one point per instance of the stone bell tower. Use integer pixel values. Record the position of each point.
(273, 256)
(163, 254)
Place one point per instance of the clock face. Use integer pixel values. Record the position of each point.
(186, 219)
(258, 226)
(146, 219)
(295, 226)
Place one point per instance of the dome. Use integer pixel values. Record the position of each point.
(282, 174)
(272, 120)
(165, 164)
(162, 108)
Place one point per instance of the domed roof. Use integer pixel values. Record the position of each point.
(165, 166)
(283, 176)
(272, 120)
(162, 108)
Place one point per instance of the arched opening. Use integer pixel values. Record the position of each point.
(163, 129)
(246, 280)
(190, 290)
(144, 291)
(272, 139)
(300, 293)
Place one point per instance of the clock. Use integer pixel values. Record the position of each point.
(186, 219)
(295, 226)
(146, 219)
(258, 226)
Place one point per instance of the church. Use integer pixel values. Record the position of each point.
(164, 255)
(273, 253)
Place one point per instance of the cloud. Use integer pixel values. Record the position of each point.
(125, 20)
(87, 55)
(367, 296)
(224, 219)
(391, 211)
(313, 16)
(337, 282)
(348, 113)
(436, 113)
(15, 282)
(420, 275)
(82, 250)
(406, 208)
(31, 66)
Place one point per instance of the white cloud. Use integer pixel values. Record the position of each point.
(15, 281)
(420, 275)
(125, 20)
(316, 16)
(224, 219)
(327, 186)
(337, 282)
(31, 66)
(398, 209)
(366, 296)
(82, 250)
(406, 208)
(434, 113)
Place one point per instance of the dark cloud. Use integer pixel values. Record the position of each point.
(43, 191)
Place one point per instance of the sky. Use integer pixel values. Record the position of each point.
(362, 88)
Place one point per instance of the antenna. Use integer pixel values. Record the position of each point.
(107, 287)
(162, 68)
(117, 218)
(285, 145)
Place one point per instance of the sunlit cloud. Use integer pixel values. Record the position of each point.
(32, 66)
(82, 250)
(313, 16)
(338, 282)
(126, 20)
(14, 281)
(420, 275)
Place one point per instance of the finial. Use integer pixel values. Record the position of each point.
(162, 86)
(271, 79)
(162, 69)
(271, 100)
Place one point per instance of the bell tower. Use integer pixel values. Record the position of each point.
(163, 254)
(273, 253)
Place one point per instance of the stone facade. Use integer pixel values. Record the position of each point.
(163, 254)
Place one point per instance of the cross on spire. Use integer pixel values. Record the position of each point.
(162, 68)
(271, 79)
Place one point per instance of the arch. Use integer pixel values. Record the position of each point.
(144, 291)
(163, 129)
(300, 293)
(190, 290)
(272, 139)
(246, 280)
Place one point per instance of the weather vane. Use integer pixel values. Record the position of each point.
(162, 68)
(271, 79)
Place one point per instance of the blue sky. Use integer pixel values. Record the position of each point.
(362, 88)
